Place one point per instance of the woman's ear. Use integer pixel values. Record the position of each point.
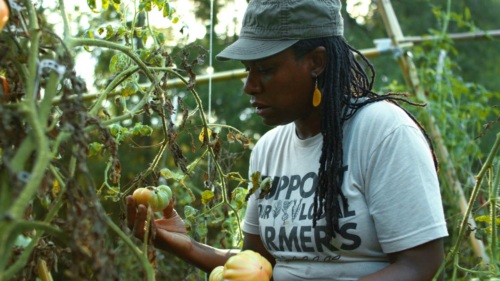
(318, 60)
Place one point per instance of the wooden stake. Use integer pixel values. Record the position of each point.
(411, 77)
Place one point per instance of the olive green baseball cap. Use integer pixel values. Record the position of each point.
(271, 26)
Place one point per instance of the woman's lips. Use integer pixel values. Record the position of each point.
(260, 108)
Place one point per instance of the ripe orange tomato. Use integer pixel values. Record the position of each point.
(247, 266)
(157, 197)
(216, 274)
(4, 14)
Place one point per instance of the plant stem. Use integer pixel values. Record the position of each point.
(463, 226)
(112, 85)
(66, 31)
(138, 254)
(493, 215)
(29, 108)
(22, 260)
(113, 46)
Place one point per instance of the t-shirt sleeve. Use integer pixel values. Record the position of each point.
(402, 191)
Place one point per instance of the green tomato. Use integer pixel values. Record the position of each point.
(157, 198)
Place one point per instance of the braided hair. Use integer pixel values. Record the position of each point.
(346, 88)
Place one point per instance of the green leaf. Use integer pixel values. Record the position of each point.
(168, 174)
(467, 14)
(115, 129)
(110, 32)
(100, 30)
(238, 197)
(121, 31)
(130, 88)
(159, 4)
(119, 62)
(95, 149)
(145, 130)
(160, 37)
(92, 5)
(190, 212)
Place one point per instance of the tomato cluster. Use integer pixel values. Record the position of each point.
(245, 266)
(157, 197)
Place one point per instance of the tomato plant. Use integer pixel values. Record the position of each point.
(70, 153)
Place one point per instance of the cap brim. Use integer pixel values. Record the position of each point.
(251, 49)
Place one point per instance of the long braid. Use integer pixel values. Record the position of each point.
(343, 83)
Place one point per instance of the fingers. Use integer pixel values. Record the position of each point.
(131, 211)
(136, 217)
(140, 221)
(169, 211)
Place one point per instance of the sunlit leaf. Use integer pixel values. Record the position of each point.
(110, 32)
(100, 30)
(166, 10)
(105, 4)
(92, 5)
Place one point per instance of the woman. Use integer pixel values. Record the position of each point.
(355, 194)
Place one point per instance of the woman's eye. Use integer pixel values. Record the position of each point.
(259, 69)
(264, 69)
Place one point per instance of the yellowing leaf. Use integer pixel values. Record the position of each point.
(206, 196)
(201, 137)
(56, 188)
(230, 137)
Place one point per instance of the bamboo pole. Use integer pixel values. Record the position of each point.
(399, 42)
(479, 35)
(232, 74)
(411, 77)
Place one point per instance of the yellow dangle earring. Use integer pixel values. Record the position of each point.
(316, 95)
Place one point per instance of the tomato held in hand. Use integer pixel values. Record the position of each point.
(216, 274)
(4, 14)
(247, 266)
(157, 198)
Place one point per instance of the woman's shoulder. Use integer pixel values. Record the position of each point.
(383, 113)
(378, 120)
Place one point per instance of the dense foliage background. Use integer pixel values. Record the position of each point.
(95, 104)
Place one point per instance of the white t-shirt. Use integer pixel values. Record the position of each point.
(390, 184)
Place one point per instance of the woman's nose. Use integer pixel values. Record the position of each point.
(252, 84)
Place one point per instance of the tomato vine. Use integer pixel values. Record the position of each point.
(52, 205)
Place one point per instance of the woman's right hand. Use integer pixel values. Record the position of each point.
(169, 232)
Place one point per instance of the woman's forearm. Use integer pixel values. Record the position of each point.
(203, 256)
